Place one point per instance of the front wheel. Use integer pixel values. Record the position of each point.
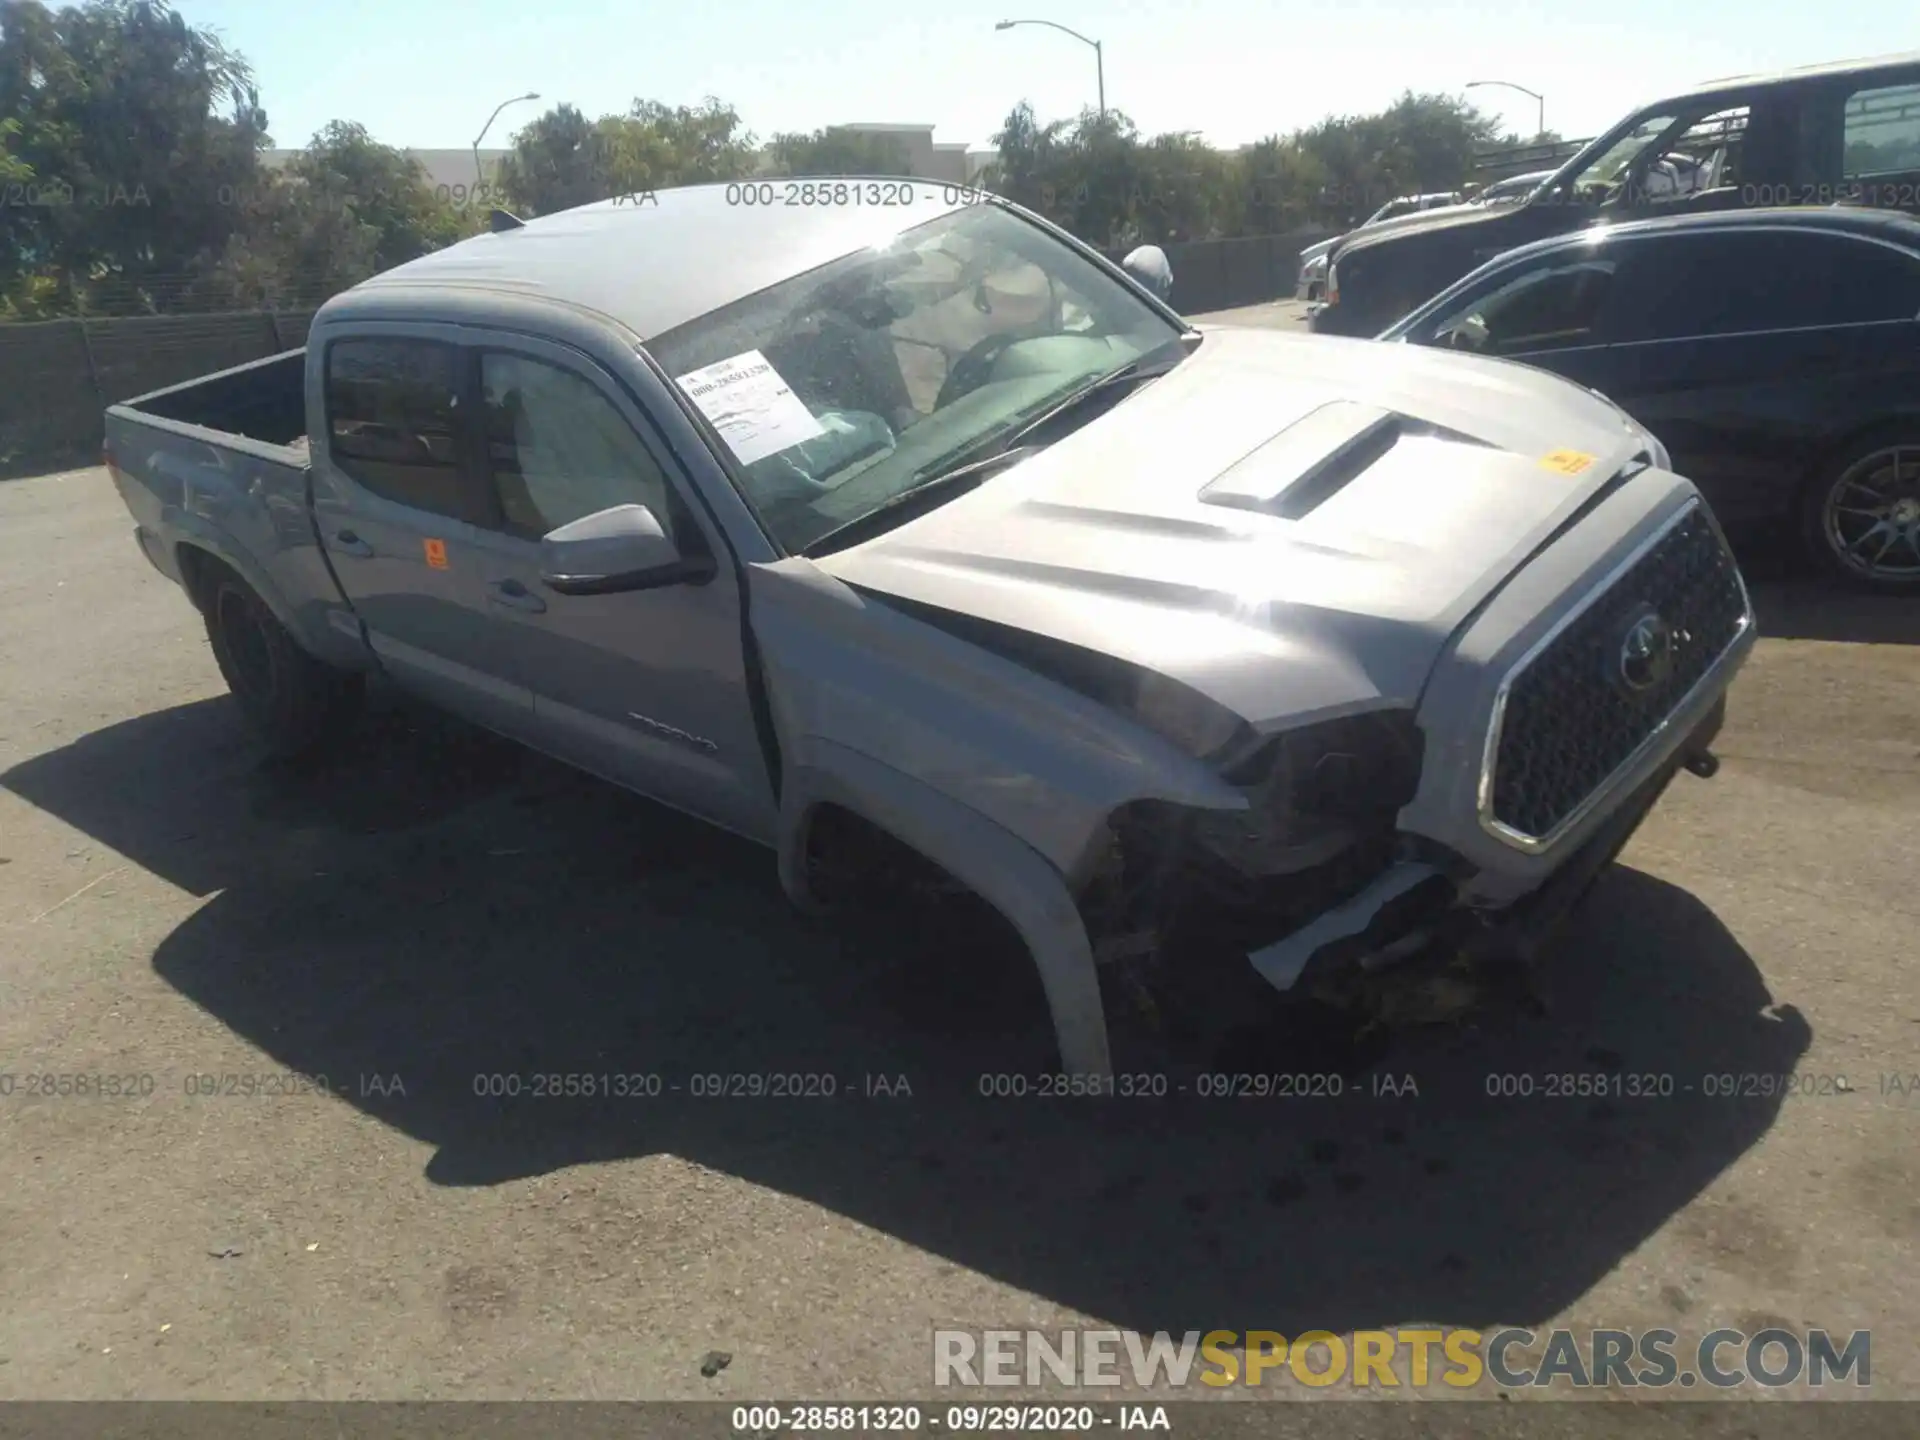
(297, 704)
(1861, 517)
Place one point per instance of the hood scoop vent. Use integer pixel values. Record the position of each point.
(1309, 462)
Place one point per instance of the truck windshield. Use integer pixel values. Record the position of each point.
(835, 389)
(1606, 173)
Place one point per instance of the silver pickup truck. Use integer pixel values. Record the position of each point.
(902, 526)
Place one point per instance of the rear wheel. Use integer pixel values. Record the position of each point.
(1861, 517)
(297, 704)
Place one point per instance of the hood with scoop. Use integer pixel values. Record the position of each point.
(1291, 525)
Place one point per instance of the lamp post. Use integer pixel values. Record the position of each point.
(1099, 62)
(1539, 99)
(479, 176)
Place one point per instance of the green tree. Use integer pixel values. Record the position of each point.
(13, 170)
(140, 131)
(682, 145)
(555, 164)
(1420, 144)
(1185, 191)
(562, 160)
(344, 208)
(1276, 188)
(1099, 178)
(385, 190)
(1083, 174)
(837, 151)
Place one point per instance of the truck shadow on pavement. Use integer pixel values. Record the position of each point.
(443, 908)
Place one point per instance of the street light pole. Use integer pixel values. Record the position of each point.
(1539, 99)
(479, 176)
(1099, 56)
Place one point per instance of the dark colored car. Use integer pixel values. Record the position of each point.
(1775, 353)
(1843, 132)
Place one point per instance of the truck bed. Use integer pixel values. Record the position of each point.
(218, 469)
(263, 401)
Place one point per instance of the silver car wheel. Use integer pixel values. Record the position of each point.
(1870, 518)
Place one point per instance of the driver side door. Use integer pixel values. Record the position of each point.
(647, 687)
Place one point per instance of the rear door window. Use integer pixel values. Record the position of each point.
(393, 421)
(1734, 283)
(1881, 134)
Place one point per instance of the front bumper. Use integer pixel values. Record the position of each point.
(1590, 754)
(1414, 913)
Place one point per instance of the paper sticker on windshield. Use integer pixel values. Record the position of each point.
(1567, 462)
(436, 551)
(755, 411)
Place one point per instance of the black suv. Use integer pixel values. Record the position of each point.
(1842, 133)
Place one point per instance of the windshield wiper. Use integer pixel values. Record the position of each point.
(924, 492)
(1150, 366)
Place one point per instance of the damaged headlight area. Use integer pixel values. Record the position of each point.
(1314, 791)
(1319, 825)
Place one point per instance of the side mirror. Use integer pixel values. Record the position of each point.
(616, 550)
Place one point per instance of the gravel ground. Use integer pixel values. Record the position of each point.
(438, 906)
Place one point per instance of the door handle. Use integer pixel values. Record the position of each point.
(348, 543)
(515, 596)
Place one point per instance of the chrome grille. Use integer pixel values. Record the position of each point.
(1577, 711)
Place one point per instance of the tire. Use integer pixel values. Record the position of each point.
(298, 705)
(1860, 518)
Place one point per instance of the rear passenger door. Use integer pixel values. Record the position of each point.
(398, 504)
(1746, 350)
(648, 688)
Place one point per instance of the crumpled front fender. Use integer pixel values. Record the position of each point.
(1005, 872)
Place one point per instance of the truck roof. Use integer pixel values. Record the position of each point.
(1706, 89)
(657, 259)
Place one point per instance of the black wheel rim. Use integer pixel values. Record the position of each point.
(249, 651)
(1871, 517)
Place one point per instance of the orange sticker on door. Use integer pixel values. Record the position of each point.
(1567, 462)
(436, 553)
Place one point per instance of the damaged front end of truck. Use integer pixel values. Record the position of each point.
(1400, 862)
(1350, 683)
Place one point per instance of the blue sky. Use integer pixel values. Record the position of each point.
(426, 73)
